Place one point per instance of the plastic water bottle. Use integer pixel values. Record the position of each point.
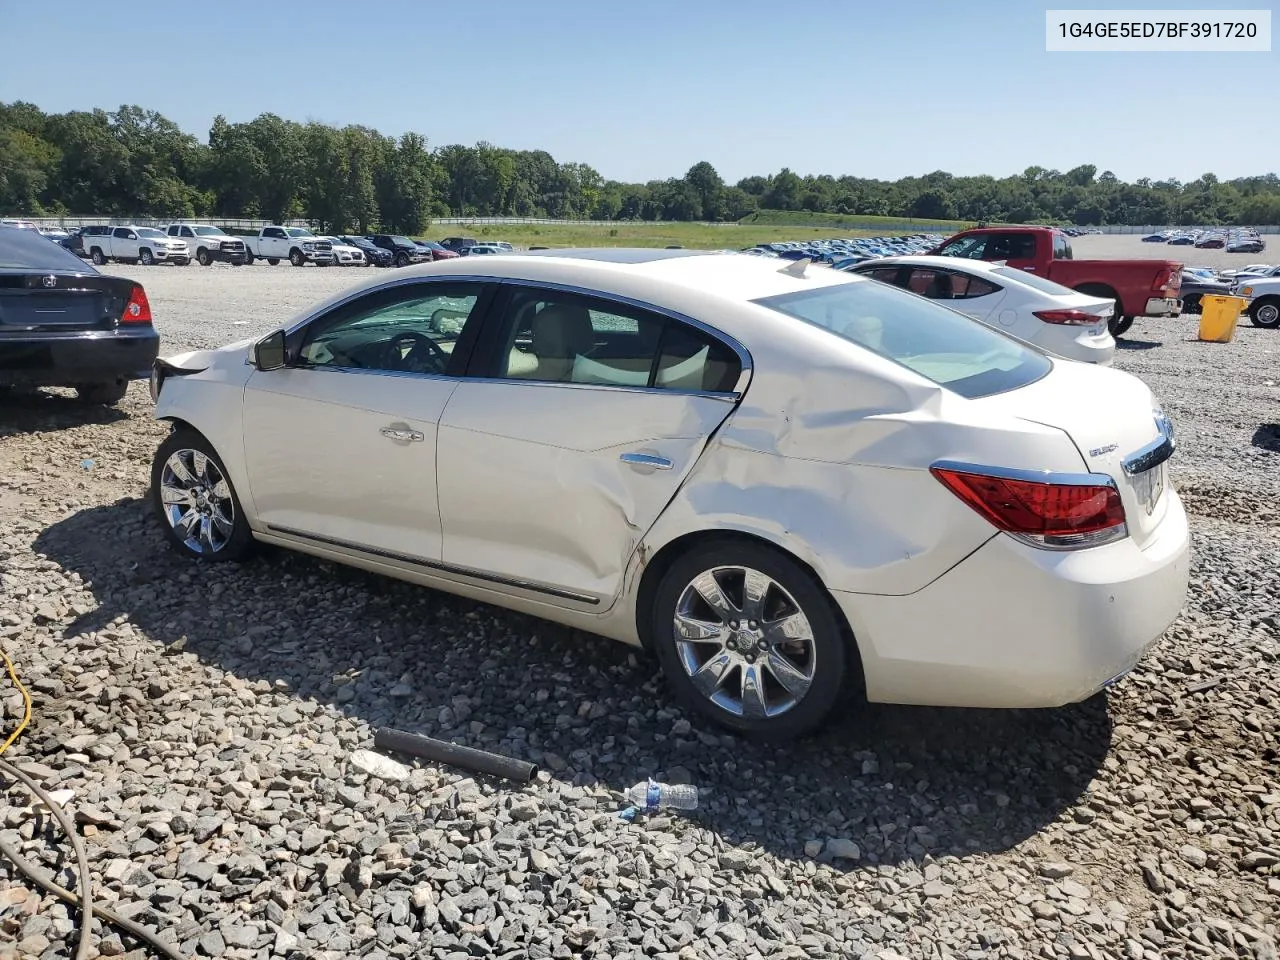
(649, 796)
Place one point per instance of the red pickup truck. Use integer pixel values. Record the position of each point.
(1140, 288)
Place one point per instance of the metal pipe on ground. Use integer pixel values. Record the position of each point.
(455, 755)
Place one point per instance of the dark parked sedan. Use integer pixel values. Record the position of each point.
(64, 324)
(373, 253)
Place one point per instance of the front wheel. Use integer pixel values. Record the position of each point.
(750, 641)
(202, 255)
(195, 501)
(1265, 313)
(295, 257)
(402, 260)
(145, 258)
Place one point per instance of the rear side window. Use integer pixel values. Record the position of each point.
(939, 344)
(1061, 249)
(1012, 246)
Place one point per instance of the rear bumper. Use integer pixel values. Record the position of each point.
(68, 359)
(1014, 626)
(1163, 307)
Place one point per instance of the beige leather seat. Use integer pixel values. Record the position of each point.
(561, 332)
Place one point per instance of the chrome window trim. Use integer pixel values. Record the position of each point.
(744, 357)
(1030, 476)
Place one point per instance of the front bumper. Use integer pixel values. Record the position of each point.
(1163, 307)
(66, 359)
(1016, 626)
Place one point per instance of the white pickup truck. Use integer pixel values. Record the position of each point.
(207, 243)
(144, 245)
(298, 245)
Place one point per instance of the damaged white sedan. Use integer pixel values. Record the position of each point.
(795, 486)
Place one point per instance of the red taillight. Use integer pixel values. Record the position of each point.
(1168, 281)
(1046, 514)
(1072, 318)
(138, 309)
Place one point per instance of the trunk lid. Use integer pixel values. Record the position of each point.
(1111, 417)
(33, 302)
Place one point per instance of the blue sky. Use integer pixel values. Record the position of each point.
(643, 90)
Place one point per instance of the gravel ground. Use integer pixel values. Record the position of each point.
(206, 720)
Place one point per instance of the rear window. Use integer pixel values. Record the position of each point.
(28, 250)
(939, 344)
(1032, 280)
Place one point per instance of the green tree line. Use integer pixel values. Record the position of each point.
(136, 162)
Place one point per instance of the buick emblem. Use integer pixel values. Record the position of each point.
(51, 281)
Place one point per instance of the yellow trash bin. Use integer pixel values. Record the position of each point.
(1218, 316)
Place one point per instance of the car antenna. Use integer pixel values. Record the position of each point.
(796, 267)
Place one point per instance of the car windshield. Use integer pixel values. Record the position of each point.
(208, 231)
(27, 250)
(402, 241)
(1031, 280)
(150, 232)
(432, 244)
(939, 344)
(299, 232)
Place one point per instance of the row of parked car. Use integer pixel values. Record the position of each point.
(1241, 240)
(184, 243)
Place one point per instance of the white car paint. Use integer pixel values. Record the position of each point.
(1013, 304)
(131, 243)
(344, 254)
(515, 493)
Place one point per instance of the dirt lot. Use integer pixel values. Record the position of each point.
(205, 717)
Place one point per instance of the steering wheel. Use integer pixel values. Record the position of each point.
(424, 354)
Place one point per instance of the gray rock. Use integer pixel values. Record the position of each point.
(842, 848)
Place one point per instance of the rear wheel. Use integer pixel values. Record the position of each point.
(749, 641)
(96, 256)
(1119, 326)
(195, 501)
(145, 258)
(109, 393)
(1265, 312)
(1191, 303)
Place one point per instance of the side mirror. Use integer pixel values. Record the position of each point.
(268, 353)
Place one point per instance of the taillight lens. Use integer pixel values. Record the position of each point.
(1071, 318)
(1061, 514)
(138, 309)
(1168, 281)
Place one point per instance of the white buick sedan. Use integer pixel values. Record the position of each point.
(794, 485)
(1055, 318)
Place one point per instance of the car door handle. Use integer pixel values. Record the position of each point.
(395, 434)
(646, 460)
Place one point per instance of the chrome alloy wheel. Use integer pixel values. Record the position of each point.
(197, 501)
(744, 642)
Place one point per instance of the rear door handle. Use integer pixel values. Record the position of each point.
(646, 460)
(396, 434)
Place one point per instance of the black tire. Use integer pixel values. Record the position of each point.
(1265, 312)
(109, 393)
(145, 258)
(402, 259)
(203, 258)
(1191, 303)
(97, 257)
(230, 541)
(828, 655)
(1121, 325)
(272, 261)
(296, 258)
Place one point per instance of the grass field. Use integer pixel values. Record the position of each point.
(855, 222)
(732, 236)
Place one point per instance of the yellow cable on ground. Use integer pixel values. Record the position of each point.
(26, 703)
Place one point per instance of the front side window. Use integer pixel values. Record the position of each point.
(123, 233)
(557, 337)
(939, 344)
(972, 247)
(274, 233)
(403, 330)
